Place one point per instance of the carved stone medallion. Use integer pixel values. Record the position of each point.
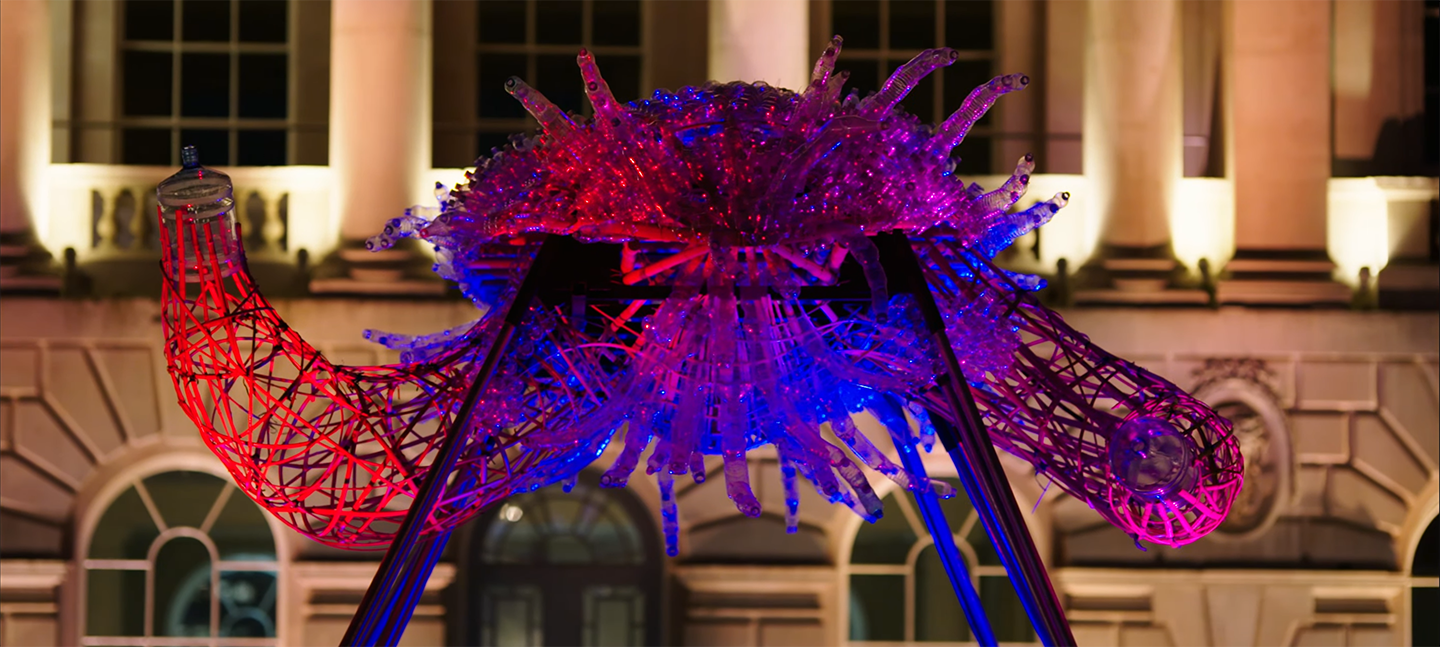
(1245, 392)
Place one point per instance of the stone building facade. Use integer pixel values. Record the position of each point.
(1253, 218)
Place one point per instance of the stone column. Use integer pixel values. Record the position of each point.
(380, 87)
(380, 131)
(1278, 131)
(24, 144)
(1379, 85)
(24, 114)
(1133, 118)
(1133, 141)
(761, 41)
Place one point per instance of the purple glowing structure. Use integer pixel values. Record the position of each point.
(701, 273)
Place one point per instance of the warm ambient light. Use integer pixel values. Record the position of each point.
(1358, 228)
(1202, 222)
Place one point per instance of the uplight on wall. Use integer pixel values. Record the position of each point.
(1072, 234)
(1202, 222)
(1358, 228)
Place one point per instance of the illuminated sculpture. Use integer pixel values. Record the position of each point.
(727, 282)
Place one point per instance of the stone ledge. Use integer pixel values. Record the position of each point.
(30, 283)
(1410, 277)
(1259, 292)
(1142, 297)
(349, 286)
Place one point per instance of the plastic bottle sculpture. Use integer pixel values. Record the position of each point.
(744, 201)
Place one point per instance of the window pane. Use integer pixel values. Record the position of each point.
(568, 550)
(1424, 622)
(912, 24)
(511, 542)
(864, 78)
(145, 146)
(921, 100)
(560, 512)
(502, 21)
(125, 530)
(887, 541)
(969, 24)
(261, 148)
(1007, 614)
(487, 142)
(212, 145)
(614, 616)
(149, 19)
(957, 508)
(961, 78)
(858, 22)
(559, 79)
(205, 85)
(263, 86)
(975, 156)
(247, 604)
(115, 603)
(938, 615)
(510, 616)
(264, 21)
(147, 82)
(1427, 553)
(613, 537)
(877, 607)
(623, 75)
(184, 498)
(205, 20)
(240, 532)
(182, 589)
(615, 22)
(492, 99)
(557, 22)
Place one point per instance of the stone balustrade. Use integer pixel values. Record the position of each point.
(107, 212)
(106, 215)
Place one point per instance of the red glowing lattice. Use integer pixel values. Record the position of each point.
(339, 452)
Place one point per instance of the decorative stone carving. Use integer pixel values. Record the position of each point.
(1247, 393)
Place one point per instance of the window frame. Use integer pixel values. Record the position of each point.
(989, 130)
(455, 121)
(177, 47)
(467, 616)
(846, 568)
(89, 126)
(1413, 581)
(91, 509)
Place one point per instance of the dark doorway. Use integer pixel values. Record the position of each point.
(554, 568)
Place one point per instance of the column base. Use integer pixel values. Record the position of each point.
(1138, 276)
(403, 270)
(26, 267)
(1281, 277)
(1410, 284)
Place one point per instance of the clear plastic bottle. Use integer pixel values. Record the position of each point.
(197, 210)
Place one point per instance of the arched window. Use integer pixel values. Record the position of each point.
(1424, 596)
(181, 555)
(565, 568)
(881, 35)
(898, 588)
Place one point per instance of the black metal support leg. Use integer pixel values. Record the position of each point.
(392, 596)
(976, 462)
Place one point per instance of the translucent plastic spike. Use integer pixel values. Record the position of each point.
(554, 120)
(792, 497)
(1007, 195)
(905, 78)
(953, 131)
